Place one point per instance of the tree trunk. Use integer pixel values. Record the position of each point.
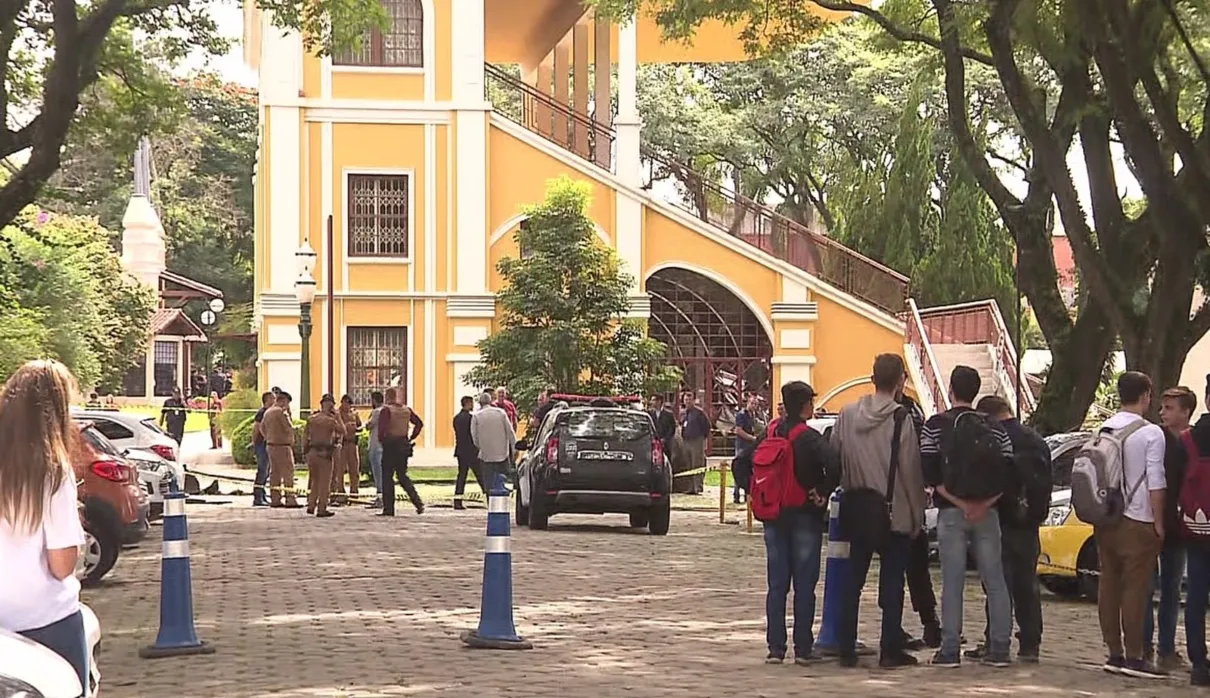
(1076, 360)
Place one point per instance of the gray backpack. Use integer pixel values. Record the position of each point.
(1097, 477)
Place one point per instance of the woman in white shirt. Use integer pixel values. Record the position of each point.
(40, 531)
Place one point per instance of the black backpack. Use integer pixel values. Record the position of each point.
(1031, 483)
(974, 463)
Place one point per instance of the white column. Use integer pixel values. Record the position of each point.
(629, 217)
(602, 92)
(278, 91)
(468, 55)
(470, 147)
(627, 123)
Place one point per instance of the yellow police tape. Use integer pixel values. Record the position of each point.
(337, 495)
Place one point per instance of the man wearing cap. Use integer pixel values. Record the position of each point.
(279, 439)
(321, 442)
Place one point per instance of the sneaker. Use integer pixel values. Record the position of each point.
(999, 660)
(1028, 656)
(848, 661)
(932, 635)
(1171, 662)
(259, 503)
(940, 659)
(774, 659)
(977, 653)
(1199, 675)
(376, 504)
(420, 509)
(895, 660)
(1140, 669)
(325, 514)
(909, 643)
(1114, 664)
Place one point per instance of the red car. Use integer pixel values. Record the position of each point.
(116, 507)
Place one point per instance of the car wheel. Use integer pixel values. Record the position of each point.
(1090, 560)
(520, 511)
(638, 519)
(659, 518)
(101, 548)
(539, 517)
(1065, 587)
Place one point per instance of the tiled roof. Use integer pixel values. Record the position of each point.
(174, 322)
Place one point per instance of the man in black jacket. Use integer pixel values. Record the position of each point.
(1020, 516)
(1197, 550)
(465, 451)
(665, 423)
(1176, 409)
(793, 542)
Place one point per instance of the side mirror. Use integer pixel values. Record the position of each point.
(523, 445)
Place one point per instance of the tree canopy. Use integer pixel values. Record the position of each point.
(563, 307)
(1102, 75)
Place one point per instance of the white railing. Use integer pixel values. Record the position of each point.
(918, 339)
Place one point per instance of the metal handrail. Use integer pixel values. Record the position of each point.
(932, 372)
(572, 130)
(789, 240)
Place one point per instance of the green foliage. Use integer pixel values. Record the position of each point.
(241, 443)
(563, 306)
(235, 409)
(63, 294)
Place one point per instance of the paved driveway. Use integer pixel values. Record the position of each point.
(361, 606)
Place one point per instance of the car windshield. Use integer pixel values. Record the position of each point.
(150, 424)
(626, 426)
(98, 441)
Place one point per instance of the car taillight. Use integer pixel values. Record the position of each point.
(552, 451)
(165, 452)
(111, 470)
(657, 454)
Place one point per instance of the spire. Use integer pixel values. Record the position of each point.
(142, 168)
(142, 233)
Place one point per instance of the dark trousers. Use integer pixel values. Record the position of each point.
(893, 561)
(1019, 550)
(395, 454)
(1195, 603)
(262, 473)
(467, 465)
(920, 581)
(66, 637)
(1168, 581)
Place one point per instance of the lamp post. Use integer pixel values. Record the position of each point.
(209, 319)
(304, 292)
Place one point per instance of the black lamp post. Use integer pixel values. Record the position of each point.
(304, 291)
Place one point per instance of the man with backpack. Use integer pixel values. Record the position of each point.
(1117, 486)
(1022, 509)
(794, 470)
(883, 506)
(966, 459)
(1193, 510)
(1176, 409)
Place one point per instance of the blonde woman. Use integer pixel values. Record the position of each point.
(40, 531)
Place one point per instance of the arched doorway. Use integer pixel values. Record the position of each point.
(716, 340)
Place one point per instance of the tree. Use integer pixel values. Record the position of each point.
(1093, 73)
(56, 52)
(844, 133)
(64, 294)
(563, 306)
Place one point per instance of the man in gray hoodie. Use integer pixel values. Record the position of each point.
(863, 434)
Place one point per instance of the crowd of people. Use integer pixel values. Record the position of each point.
(1140, 484)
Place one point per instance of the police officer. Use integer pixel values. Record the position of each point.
(349, 457)
(321, 442)
(279, 439)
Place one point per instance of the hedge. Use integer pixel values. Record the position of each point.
(241, 443)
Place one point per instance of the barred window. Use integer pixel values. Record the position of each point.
(378, 215)
(165, 372)
(377, 360)
(401, 45)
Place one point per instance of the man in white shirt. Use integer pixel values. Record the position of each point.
(1128, 548)
(493, 434)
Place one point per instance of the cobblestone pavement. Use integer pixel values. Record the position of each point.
(362, 606)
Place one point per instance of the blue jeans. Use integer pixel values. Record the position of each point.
(892, 568)
(376, 465)
(954, 535)
(1167, 580)
(66, 637)
(793, 549)
(1195, 603)
(262, 471)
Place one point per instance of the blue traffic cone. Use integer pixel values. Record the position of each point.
(496, 629)
(177, 636)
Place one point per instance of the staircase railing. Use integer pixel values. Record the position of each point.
(555, 121)
(917, 338)
(784, 238)
(979, 322)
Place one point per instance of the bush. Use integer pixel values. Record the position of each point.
(241, 443)
(235, 410)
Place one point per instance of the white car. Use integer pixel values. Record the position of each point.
(141, 440)
(30, 669)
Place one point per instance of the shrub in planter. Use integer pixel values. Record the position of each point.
(241, 443)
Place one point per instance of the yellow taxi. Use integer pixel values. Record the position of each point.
(1068, 561)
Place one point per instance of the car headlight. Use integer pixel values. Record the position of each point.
(11, 687)
(1057, 515)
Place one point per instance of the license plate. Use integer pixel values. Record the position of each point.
(605, 455)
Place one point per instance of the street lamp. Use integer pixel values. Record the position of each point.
(209, 319)
(304, 292)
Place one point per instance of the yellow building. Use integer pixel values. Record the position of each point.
(424, 179)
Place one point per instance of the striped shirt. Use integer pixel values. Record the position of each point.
(933, 459)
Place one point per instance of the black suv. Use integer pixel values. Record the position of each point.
(591, 459)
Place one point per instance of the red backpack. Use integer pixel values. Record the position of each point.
(774, 487)
(1194, 502)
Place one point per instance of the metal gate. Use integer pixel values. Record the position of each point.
(716, 340)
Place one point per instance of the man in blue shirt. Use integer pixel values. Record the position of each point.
(745, 436)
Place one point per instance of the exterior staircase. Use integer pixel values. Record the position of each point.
(970, 334)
